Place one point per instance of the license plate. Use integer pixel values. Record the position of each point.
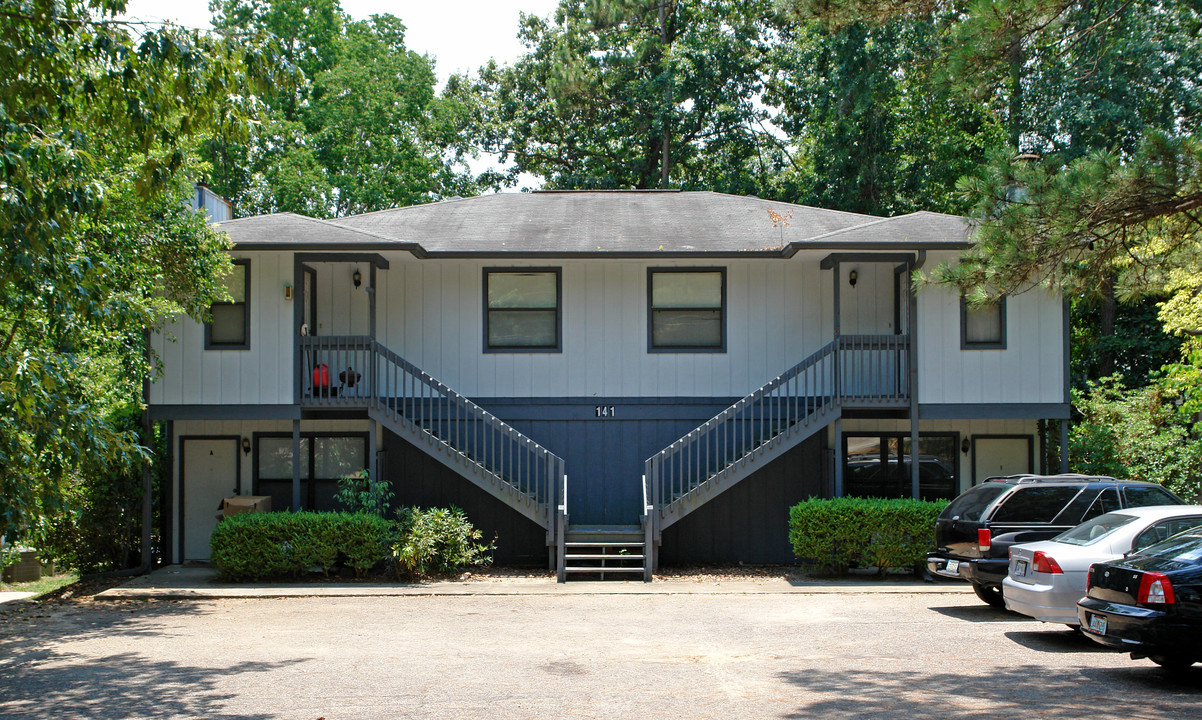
(953, 567)
(1097, 623)
(1020, 568)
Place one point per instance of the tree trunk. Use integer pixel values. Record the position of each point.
(1016, 94)
(1108, 311)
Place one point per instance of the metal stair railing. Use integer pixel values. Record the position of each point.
(859, 369)
(359, 371)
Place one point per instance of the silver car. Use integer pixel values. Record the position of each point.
(1047, 578)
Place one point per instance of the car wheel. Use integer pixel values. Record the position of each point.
(1172, 662)
(991, 595)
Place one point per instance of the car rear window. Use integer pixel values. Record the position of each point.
(1088, 533)
(972, 503)
(1145, 495)
(1183, 548)
(1035, 504)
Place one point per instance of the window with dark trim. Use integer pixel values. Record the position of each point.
(522, 310)
(324, 458)
(983, 327)
(686, 310)
(878, 465)
(229, 328)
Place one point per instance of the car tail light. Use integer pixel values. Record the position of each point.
(1155, 588)
(1045, 563)
(1088, 579)
(984, 537)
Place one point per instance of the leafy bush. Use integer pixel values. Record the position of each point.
(97, 523)
(359, 494)
(257, 546)
(839, 533)
(437, 540)
(1146, 433)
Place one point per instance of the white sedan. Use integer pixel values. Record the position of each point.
(1047, 578)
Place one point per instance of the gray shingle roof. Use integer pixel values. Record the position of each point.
(601, 222)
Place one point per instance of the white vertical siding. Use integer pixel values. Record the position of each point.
(432, 314)
(259, 375)
(1029, 370)
(867, 308)
(778, 312)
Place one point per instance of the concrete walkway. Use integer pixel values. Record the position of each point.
(200, 583)
(12, 596)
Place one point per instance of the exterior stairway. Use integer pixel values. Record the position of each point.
(357, 371)
(857, 370)
(604, 552)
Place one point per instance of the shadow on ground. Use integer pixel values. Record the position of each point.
(979, 613)
(1024, 691)
(1062, 641)
(42, 680)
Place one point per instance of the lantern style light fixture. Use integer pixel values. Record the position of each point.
(357, 277)
(852, 277)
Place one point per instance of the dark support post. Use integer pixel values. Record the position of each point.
(147, 469)
(298, 319)
(371, 301)
(372, 440)
(837, 390)
(912, 298)
(1064, 446)
(837, 312)
(296, 466)
(167, 493)
(838, 457)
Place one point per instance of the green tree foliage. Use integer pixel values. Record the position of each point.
(1142, 433)
(359, 127)
(636, 94)
(96, 121)
(1103, 98)
(879, 133)
(1134, 347)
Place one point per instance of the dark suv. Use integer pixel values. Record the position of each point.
(975, 531)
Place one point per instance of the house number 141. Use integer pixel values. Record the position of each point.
(606, 411)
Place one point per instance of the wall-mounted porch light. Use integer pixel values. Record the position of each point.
(964, 446)
(852, 277)
(357, 277)
(246, 446)
(287, 291)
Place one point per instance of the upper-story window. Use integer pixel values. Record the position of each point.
(983, 327)
(229, 328)
(522, 310)
(686, 310)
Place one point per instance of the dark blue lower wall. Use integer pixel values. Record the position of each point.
(605, 455)
(419, 480)
(604, 458)
(749, 523)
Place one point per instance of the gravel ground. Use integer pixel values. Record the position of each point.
(938, 656)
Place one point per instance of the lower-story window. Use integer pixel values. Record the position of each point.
(878, 465)
(324, 458)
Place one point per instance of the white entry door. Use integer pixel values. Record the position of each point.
(210, 474)
(1001, 456)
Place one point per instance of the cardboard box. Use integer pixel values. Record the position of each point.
(237, 504)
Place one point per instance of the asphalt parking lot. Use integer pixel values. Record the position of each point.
(835, 655)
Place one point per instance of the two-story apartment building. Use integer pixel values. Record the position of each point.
(650, 374)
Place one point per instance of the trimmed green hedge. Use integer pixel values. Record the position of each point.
(257, 546)
(839, 533)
